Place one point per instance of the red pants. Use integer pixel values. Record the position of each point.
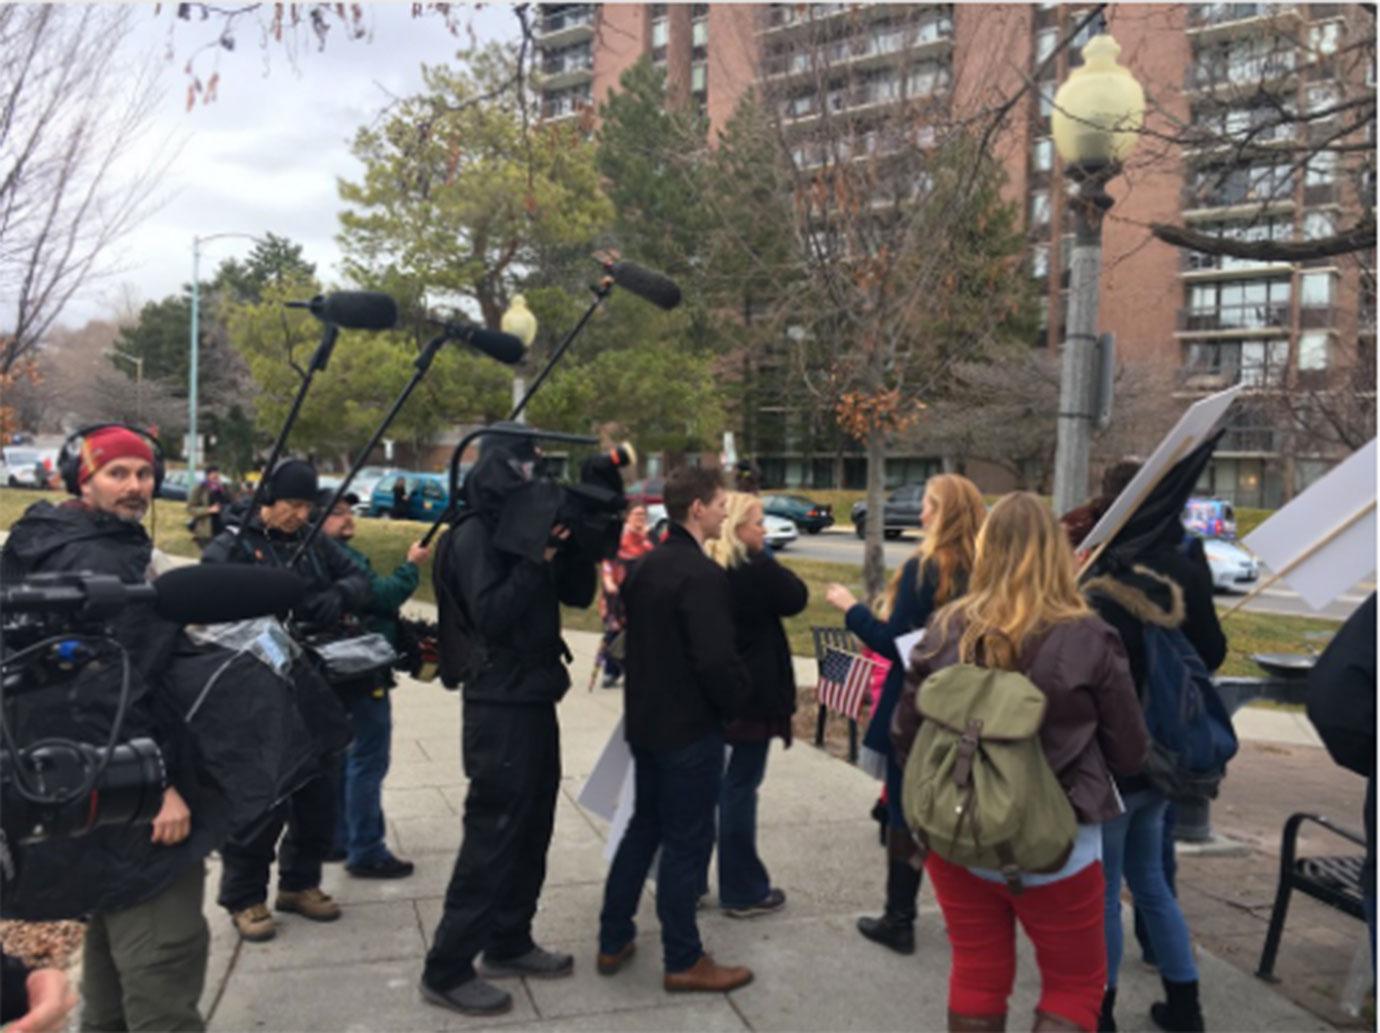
(1063, 920)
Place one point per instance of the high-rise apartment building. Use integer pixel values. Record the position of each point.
(1214, 74)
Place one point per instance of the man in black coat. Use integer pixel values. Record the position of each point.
(506, 606)
(685, 679)
(145, 950)
(271, 538)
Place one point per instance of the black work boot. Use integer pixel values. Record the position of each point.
(1181, 1013)
(895, 928)
(1106, 1021)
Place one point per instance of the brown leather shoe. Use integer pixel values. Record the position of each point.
(609, 964)
(705, 976)
(311, 903)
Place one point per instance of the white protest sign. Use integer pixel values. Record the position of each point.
(906, 644)
(604, 788)
(1194, 427)
(1323, 542)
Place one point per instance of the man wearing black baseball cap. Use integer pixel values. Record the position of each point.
(271, 537)
(360, 826)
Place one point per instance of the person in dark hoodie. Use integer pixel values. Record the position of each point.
(500, 605)
(145, 949)
(1169, 587)
(270, 538)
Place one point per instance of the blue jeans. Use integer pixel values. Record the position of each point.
(675, 793)
(743, 879)
(360, 827)
(1133, 846)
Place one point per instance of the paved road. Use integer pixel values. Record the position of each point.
(844, 547)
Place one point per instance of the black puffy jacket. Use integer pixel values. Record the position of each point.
(763, 593)
(230, 752)
(512, 602)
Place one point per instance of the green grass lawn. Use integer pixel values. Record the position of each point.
(386, 541)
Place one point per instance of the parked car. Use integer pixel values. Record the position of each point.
(1210, 518)
(177, 485)
(900, 512)
(367, 480)
(780, 532)
(1233, 568)
(427, 495)
(808, 515)
(646, 491)
(22, 466)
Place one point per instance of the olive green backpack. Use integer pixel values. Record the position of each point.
(978, 790)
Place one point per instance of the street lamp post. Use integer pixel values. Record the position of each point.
(138, 378)
(1097, 114)
(194, 346)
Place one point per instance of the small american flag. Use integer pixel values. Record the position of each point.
(843, 679)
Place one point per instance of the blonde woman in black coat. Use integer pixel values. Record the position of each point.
(763, 593)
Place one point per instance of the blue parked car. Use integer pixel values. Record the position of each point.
(427, 495)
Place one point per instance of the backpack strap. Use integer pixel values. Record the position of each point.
(967, 749)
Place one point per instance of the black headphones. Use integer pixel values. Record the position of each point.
(69, 456)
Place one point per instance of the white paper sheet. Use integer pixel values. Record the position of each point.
(1328, 503)
(604, 789)
(1193, 428)
(906, 644)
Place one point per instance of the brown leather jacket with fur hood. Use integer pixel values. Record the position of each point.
(1093, 724)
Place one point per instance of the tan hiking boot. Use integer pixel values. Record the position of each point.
(254, 923)
(705, 976)
(312, 903)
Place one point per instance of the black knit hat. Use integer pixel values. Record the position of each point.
(294, 480)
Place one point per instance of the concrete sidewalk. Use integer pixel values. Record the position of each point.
(813, 970)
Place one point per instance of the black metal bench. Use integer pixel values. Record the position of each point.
(1334, 880)
(825, 640)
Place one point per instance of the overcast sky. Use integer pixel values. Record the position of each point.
(266, 154)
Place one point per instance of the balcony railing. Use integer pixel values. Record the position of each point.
(1252, 439)
(572, 63)
(570, 18)
(1245, 317)
(1216, 14)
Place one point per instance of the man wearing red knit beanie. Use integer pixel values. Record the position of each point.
(145, 950)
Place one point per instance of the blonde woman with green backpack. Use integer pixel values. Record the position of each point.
(1019, 703)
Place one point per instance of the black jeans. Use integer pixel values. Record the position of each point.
(513, 761)
(677, 793)
(309, 815)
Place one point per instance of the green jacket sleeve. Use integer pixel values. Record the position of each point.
(387, 594)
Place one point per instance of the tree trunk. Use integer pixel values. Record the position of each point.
(874, 560)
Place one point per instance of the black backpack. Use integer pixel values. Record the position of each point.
(461, 653)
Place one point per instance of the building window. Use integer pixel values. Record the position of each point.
(1244, 61)
(1316, 291)
(1045, 42)
(1317, 225)
(661, 32)
(1039, 261)
(1321, 97)
(1313, 351)
(1042, 155)
(1244, 304)
(933, 26)
(1039, 208)
(1321, 168)
(1242, 184)
(699, 33)
(1324, 38)
(1259, 230)
(927, 78)
(699, 78)
(1046, 102)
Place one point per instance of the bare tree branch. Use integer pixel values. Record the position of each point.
(1360, 237)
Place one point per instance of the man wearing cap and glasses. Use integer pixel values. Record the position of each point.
(360, 825)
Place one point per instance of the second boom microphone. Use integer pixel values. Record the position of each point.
(494, 343)
(660, 290)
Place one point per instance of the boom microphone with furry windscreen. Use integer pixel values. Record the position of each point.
(353, 310)
(494, 343)
(660, 290)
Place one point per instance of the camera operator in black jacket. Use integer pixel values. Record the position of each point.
(506, 607)
(145, 950)
(270, 538)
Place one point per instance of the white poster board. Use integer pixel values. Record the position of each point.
(604, 787)
(1194, 427)
(1323, 542)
